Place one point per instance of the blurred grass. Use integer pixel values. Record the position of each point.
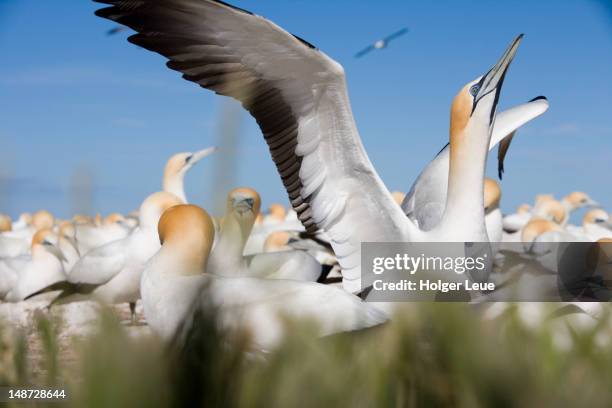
(432, 355)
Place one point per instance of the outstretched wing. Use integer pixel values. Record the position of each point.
(396, 34)
(364, 51)
(297, 95)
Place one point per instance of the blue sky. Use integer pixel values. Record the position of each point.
(79, 104)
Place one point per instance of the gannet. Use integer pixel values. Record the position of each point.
(299, 98)
(576, 200)
(549, 209)
(426, 199)
(514, 222)
(66, 242)
(42, 270)
(176, 168)
(382, 43)
(243, 205)
(595, 225)
(103, 231)
(178, 281)
(111, 273)
(24, 220)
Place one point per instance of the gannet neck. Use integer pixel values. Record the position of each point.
(174, 175)
(537, 227)
(186, 233)
(469, 145)
(154, 206)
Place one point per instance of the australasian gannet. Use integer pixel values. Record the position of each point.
(243, 205)
(299, 98)
(42, 270)
(178, 281)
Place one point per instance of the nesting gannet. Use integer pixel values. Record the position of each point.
(298, 96)
(595, 225)
(177, 280)
(577, 200)
(176, 168)
(243, 205)
(103, 231)
(382, 43)
(24, 220)
(111, 273)
(425, 202)
(514, 222)
(42, 270)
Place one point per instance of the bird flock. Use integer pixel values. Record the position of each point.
(255, 268)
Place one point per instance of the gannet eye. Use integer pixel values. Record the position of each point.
(474, 89)
(188, 159)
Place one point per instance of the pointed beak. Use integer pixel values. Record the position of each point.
(55, 251)
(592, 203)
(242, 204)
(199, 155)
(493, 80)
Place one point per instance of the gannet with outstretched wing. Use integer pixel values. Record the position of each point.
(299, 98)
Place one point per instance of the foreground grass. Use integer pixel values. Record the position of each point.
(431, 355)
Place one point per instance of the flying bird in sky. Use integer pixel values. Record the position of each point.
(380, 44)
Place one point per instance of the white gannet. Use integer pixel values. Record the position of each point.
(382, 43)
(42, 270)
(426, 200)
(177, 280)
(595, 225)
(517, 220)
(298, 96)
(90, 236)
(24, 220)
(177, 166)
(111, 273)
(243, 205)
(577, 200)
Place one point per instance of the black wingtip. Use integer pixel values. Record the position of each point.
(500, 172)
(537, 98)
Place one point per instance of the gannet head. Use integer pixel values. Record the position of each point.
(189, 232)
(523, 209)
(478, 99)
(278, 212)
(81, 219)
(492, 194)
(43, 241)
(277, 241)
(180, 163)
(114, 218)
(552, 210)
(66, 230)
(578, 199)
(398, 197)
(154, 206)
(596, 216)
(537, 227)
(25, 218)
(6, 224)
(42, 219)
